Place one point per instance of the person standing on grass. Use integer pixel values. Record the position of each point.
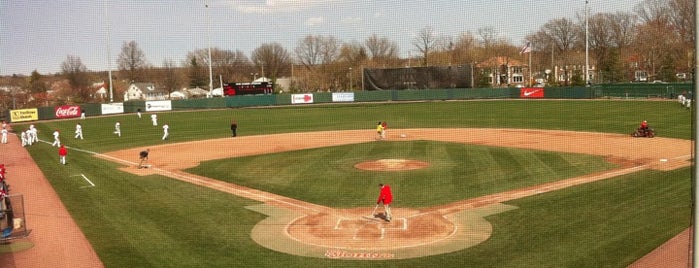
(78, 131)
(154, 118)
(385, 197)
(234, 128)
(165, 131)
(62, 152)
(56, 140)
(117, 129)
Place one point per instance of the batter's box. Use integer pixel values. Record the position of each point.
(371, 230)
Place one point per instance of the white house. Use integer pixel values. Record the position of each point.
(144, 91)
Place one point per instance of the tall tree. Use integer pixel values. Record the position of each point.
(76, 73)
(36, 83)
(132, 61)
(170, 80)
(425, 42)
(380, 48)
(272, 60)
(316, 50)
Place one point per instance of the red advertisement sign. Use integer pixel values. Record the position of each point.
(67, 111)
(531, 92)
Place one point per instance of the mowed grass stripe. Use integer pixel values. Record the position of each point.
(326, 176)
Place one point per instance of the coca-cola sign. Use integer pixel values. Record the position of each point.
(67, 111)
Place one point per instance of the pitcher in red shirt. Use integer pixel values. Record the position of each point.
(385, 197)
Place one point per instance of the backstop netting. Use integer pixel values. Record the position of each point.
(432, 77)
(13, 223)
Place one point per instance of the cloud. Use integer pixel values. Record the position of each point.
(315, 21)
(351, 20)
(274, 6)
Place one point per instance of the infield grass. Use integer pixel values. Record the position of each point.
(155, 221)
(327, 176)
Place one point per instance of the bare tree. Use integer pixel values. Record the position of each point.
(488, 36)
(425, 42)
(76, 73)
(463, 49)
(170, 76)
(653, 11)
(381, 48)
(317, 50)
(272, 60)
(132, 61)
(681, 18)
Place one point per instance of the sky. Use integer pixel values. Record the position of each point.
(39, 35)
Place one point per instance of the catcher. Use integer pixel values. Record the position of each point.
(385, 197)
(143, 155)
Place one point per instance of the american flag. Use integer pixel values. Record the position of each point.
(526, 49)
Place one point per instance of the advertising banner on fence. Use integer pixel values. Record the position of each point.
(301, 98)
(113, 108)
(67, 111)
(152, 106)
(531, 92)
(343, 97)
(24, 115)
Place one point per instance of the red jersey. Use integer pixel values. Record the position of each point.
(644, 124)
(385, 195)
(62, 151)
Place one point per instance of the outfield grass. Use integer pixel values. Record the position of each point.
(155, 221)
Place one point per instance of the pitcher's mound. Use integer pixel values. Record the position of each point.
(392, 165)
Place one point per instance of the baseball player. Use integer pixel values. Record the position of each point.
(384, 126)
(78, 131)
(385, 197)
(62, 152)
(165, 131)
(138, 112)
(117, 129)
(33, 135)
(143, 155)
(25, 139)
(379, 131)
(30, 140)
(4, 134)
(56, 140)
(154, 118)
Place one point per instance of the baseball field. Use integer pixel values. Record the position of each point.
(497, 183)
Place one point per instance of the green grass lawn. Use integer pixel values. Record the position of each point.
(457, 172)
(155, 221)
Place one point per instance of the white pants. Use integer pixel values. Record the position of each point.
(79, 134)
(4, 137)
(63, 160)
(56, 142)
(166, 135)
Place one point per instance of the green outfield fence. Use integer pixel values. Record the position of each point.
(614, 91)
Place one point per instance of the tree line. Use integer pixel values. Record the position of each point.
(657, 37)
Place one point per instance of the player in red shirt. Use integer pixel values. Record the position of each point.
(385, 197)
(62, 152)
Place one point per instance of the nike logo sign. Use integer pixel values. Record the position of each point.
(527, 93)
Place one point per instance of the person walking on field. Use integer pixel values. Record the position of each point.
(117, 129)
(56, 140)
(78, 131)
(143, 155)
(385, 197)
(384, 126)
(379, 131)
(4, 135)
(154, 118)
(234, 128)
(62, 152)
(165, 131)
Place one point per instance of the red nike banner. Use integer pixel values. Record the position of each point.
(531, 92)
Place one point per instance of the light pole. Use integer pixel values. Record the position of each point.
(109, 56)
(587, 49)
(208, 36)
(350, 76)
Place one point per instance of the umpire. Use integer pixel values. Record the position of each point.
(143, 155)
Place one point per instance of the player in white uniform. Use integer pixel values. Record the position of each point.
(78, 131)
(24, 137)
(33, 135)
(165, 131)
(117, 129)
(56, 141)
(154, 118)
(4, 134)
(30, 141)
